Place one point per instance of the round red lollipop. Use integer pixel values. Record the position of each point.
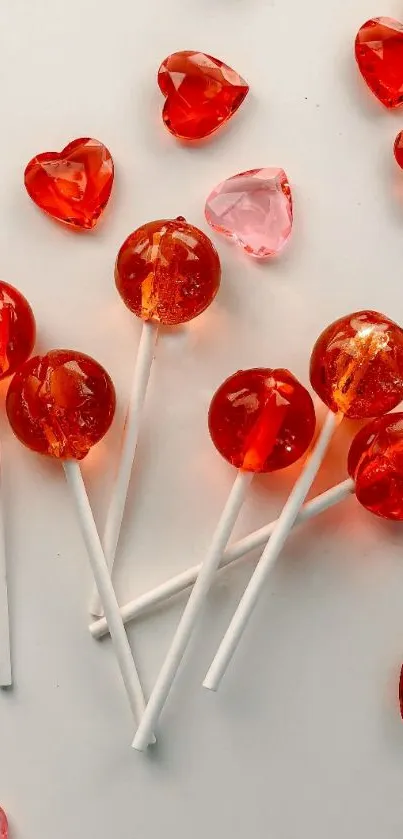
(357, 365)
(61, 404)
(375, 462)
(17, 330)
(3, 825)
(167, 272)
(260, 420)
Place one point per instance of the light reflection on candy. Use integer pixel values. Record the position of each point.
(61, 404)
(167, 272)
(260, 420)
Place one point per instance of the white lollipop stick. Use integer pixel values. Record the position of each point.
(5, 656)
(192, 609)
(104, 585)
(273, 548)
(182, 581)
(120, 489)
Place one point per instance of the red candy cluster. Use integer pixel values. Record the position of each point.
(61, 404)
(261, 420)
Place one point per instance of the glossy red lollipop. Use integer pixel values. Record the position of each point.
(167, 273)
(260, 420)
(17, 339)
(3, 825)
(61, 404)
(375, 462)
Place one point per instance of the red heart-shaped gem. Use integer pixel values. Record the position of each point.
(201, 93)
(74, 185)
(379, 55)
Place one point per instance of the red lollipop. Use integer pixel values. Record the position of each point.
(260, 420)
(357, 369)
(61, 404)
(375, 463)
(167, 273)
(3, 825)
(17, 339)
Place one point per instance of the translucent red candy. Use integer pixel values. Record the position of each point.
(379, 55)
(261, 420)
(375, 462)
(398, 149)
(357, 365)
(201, 93)
(74, 185)
(61, 404)
(3, 825)
(17, 330)
(167, 272)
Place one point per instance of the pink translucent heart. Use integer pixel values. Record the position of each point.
(254, 209)
(3, 825)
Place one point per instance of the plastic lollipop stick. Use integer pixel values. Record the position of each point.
(271, 552)
(104, 585)
(255, 422)
(117, 504)
(181, 582)
(167, 273)
(61, 404)
(17, 339)
(196, 600)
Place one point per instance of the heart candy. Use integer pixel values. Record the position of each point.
(379, 55)
(201, 93)
(74, 185)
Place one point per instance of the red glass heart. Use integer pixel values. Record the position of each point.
(201, 93)
(74, 185)
(379, 55)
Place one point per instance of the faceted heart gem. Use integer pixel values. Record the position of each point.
(254, 209)
(201, 93)
(3, 825)
(74, 185)
(379, 55)
(261, 420)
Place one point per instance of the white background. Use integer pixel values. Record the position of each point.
(304, 739)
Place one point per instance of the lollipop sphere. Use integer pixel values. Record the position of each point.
(375, 462)
(17, 330)
(61, 404)
(167, 272)
(261, 420)
(357, 365)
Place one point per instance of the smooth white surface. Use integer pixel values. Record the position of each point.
(309, 744)
(120, 488)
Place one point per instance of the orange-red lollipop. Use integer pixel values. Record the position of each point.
(375, 462)
(261, 420)
(357, 365)
(167, 272)
(61, 404)
(17, 330)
